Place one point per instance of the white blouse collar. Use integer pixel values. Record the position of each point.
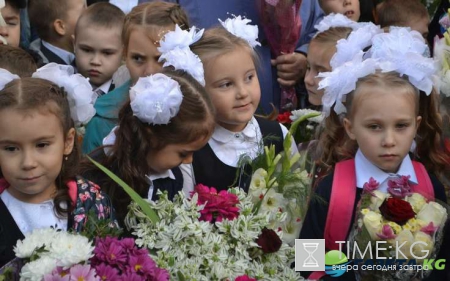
(365, 170)
(249, 133)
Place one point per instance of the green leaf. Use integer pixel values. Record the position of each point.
(146, 209)
(297, 122)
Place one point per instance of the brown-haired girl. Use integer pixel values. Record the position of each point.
(146, 149)
(38, 155)
(377, 107)
(143, 28)
(232, 83)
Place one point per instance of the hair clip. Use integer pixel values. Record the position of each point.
(6, 77)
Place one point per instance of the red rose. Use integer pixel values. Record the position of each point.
(269, 241)
(397, 210)
(283, 118)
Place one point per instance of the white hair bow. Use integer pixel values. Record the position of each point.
(79, 91)
(175, 51)
(6, 77)
(240, 27)
(156, 99)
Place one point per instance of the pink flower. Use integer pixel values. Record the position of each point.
(106, 272)
(386, 233)
(244, 278)
(85, 196)
(399, 188)
(429, 229)
(82, 273)
(142, 265)
(371, 186)
(218, 205)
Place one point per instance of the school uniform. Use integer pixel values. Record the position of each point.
(217, 163)
(50, 53)
(19, 218)
(107, 107)
(316, 216)
(170, 181)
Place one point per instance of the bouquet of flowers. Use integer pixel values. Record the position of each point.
(281, 183)
(282, 24)
(50, 254)
(409, 223)
(212, 236)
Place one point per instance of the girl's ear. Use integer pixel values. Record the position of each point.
(349, 128)
(69, 142)
(418, 120)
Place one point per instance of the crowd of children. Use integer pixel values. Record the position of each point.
(174, 106)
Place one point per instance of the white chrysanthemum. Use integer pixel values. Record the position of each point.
(80, 95)
(33, 241)
(179, 39)
(156, 99)
(35, 270)
(70, 249)
(184, 59)
(240, 27)
(6, 77)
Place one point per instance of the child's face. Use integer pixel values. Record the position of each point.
(11, 32)
(319, 56)
(98, 52)
(349, 8)
(232, 83)
(384, 124)
(32, 148)
(142, 54)
(173, 155)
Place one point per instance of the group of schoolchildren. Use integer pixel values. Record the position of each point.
(170, 128)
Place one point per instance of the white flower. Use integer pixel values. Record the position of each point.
(417, 201)
(34, 240)
(79, 91)
(296, 114)
(184, 59)
(433, 212)
(422, 250)
(156, 99)
(239, 27)
(6, 77)
(335, 20)
(179, 39)
(70, 249)
(258, 184)
(273, 201)
(405, 236)
(377, 200)
(35, 270)
(372, 222)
